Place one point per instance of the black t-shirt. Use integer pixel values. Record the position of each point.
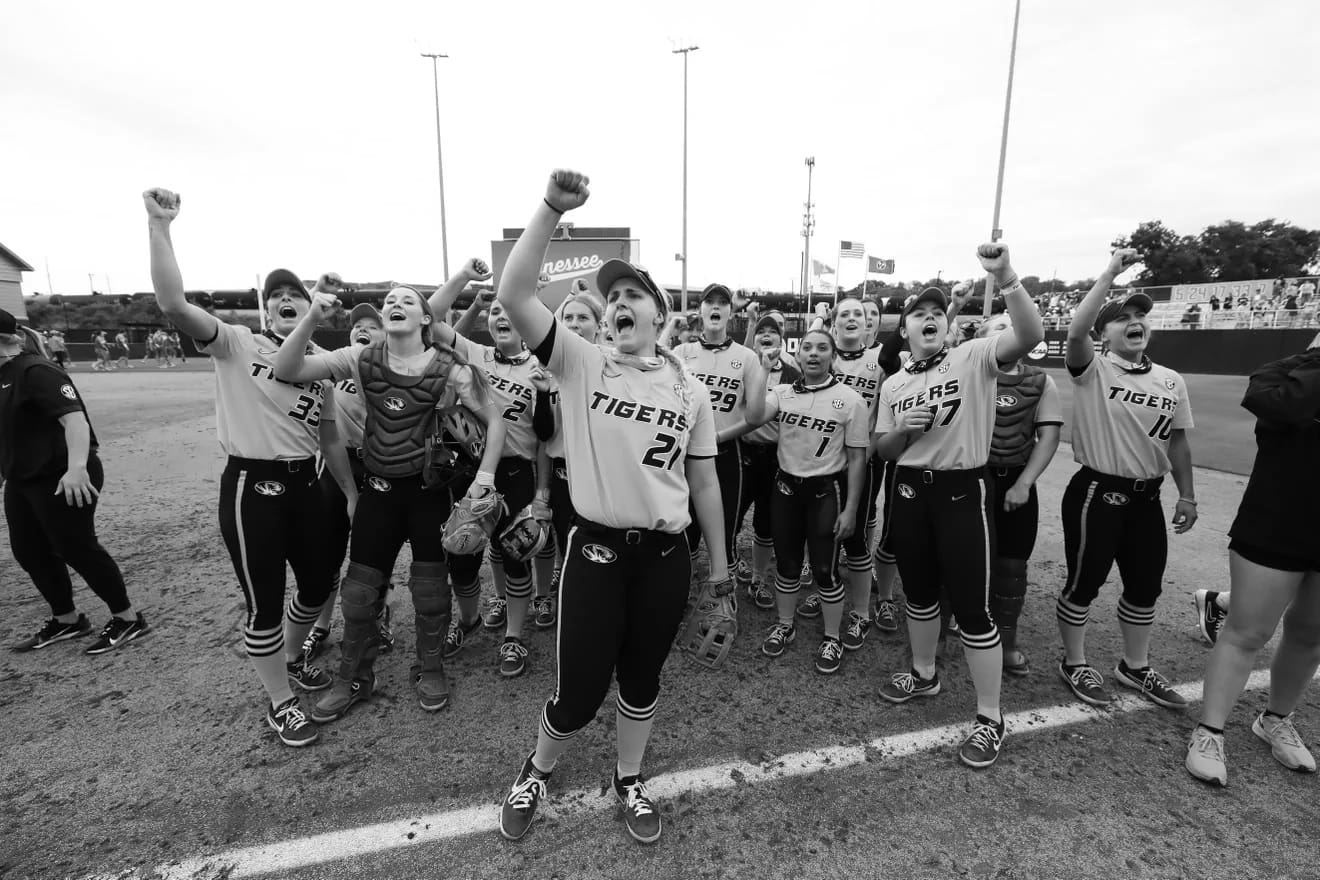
(34, 394)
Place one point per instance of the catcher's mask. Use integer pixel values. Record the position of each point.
(525, 536)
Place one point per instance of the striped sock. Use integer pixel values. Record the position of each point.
(632, 728)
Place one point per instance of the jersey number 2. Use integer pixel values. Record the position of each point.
(665, 445)
(517, 408)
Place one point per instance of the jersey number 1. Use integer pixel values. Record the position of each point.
(665, 445)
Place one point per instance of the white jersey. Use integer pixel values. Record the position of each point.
(511, 386)
(768, 434)
(258, 416)
(1123, 419)
(861, 372)
(628, 430)
(724, 368)
(817, 426)
(351, 411)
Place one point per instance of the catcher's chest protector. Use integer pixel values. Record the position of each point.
(400, 410)
(1015, 416)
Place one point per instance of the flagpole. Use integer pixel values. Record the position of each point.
(995, 232)
(838, 268)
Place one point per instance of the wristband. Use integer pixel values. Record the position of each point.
(1009, 285)
(485, 479)
(552, 207)
(1187, 501)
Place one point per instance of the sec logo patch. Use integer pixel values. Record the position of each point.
(737, 365)
(1117, 499)
(269, 488)
(837, 403)
(378, 484)
(944, 368)
(1170, 384)
(906, 491)
(67, 391)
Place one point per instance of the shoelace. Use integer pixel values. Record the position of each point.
(1208, 745)
(985, 736)
(780, 632)
(638, 800)
(1284, 731)
(292, 715)
(884, 608)
(1087, 676)
(497, 605)
(831, 650)
(526, 793)
(856, 623)
(509, 650)
(1152, 680)
(905, 681)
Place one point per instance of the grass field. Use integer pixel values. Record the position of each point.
(157, 755)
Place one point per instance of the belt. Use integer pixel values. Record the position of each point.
(291, 465)
(356, 452)
(627, 536)
(930, 477)
(810, 481)
(1006, 470)
(1141, 486)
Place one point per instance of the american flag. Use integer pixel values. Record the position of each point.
(852, 249)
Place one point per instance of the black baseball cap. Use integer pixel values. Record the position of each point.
(616, 269)
(929, 295)
(1112, 309)
(284, 278)
(8, 323)
(772, 321)
(713, 291)
(365, 310)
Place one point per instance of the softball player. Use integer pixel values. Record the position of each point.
(405, 378)
(1131, 427)
(859, 368)
(1275, 569)
(508, 366)
(272, 513)
(121, 346)
(823, 445)
(936, 418)
(52, 478)
(1028, 418)
(724, 366)
(761, 462)
(640, 441)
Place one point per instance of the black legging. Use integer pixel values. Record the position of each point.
(804, 511)
(49, 536)
(621, 600)
(728, 470)
(760, 464)
(561, 503)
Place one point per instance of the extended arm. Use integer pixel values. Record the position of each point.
(1080, 349)
(166, 279)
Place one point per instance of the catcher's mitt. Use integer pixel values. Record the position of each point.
(469, 525)
(713, 625)
(527, 534)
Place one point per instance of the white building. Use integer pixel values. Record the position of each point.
(11, 283)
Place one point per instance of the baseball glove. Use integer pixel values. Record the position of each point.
(469, 526)
(528, 532)
(713, 624)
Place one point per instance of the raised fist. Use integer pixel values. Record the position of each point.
(323, 303)
(961, 292)
(330, 282)
(541, 281)
(580, 286)
(539, 378)
(823, 311)
(1123, 259)
(994, 259)
(770, 357)
(161, 204)
(753, 311)
(476, 269)
(740, 300)
(567, 190)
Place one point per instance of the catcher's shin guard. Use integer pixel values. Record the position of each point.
(713, 624)
(1008, 593)
(358, 592)
(433, 605)
(468, 529)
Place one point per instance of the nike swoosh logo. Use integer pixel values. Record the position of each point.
(666, 552)
(958, 497)
(2, 387)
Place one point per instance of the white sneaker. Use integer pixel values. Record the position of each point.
(1285, 742)
(1205, 756)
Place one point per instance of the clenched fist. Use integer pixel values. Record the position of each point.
(994, 259)
(330, 282)
(580, 286)
(566, 190)
(162, 204)
(323, 303)
(1122, 260)
(476, 269)
(915, 420)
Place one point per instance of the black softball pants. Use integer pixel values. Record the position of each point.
(760, 464)
(1108, 519)
(622, 593)
(804, 511)
(48, 537)
(561, 503)
(728, 470)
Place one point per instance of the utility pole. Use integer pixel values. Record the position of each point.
(683, 257)
(808, 223)
(440, 161)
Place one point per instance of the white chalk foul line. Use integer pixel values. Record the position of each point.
(302, 852)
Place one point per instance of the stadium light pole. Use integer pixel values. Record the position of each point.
(440, 160)
(808, 221)
(995, 232)
(683, 257)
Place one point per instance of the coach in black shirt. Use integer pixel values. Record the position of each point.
(52, 478)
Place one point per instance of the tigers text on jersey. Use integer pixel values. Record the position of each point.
(960, 390)
(815, 426)
(1123, 419)
(724, 370)
(512, 388)
(351, 409)
(258, 416)
(861, 372)
(627, 432)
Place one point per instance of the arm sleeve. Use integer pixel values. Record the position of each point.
(51, 390)
(1049, 411)
(228, 340)
(701, 439)
(889, 360)
(543, 417)
(1088, 373)
(859, 427)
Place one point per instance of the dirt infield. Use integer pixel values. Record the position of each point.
(158, 753)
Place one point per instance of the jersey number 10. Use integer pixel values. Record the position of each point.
(1163, 427)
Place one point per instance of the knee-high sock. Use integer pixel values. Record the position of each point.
(519, 592)
(1072, 629)
(632, 728)
(265, 648)
(987, 668)
(1136, 624)
(544, 566)
(550, 744)
(924, 635)
(298, 620)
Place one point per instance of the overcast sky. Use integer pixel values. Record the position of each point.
(303, 134)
